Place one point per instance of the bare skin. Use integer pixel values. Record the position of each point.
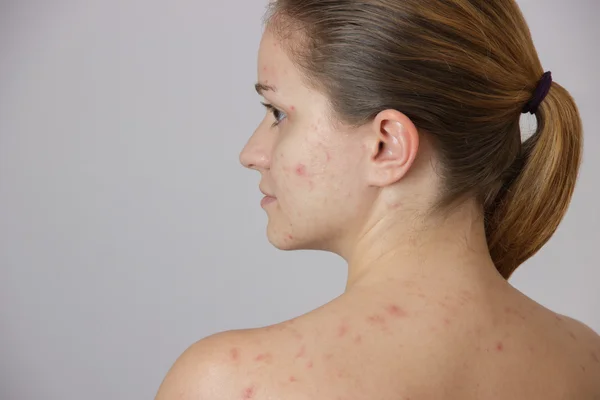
(410, 342)
(425, 315)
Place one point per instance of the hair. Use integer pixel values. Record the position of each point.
(462, 71)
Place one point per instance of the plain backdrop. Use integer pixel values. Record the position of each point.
(128, 229)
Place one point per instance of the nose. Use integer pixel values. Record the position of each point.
(256, 154)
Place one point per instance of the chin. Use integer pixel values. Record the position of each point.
(282, 241)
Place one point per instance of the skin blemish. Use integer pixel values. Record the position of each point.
(572, 335)
(297, 334)
(301, 170)
(595, 357)
(342, 330)
(292, 108)
(293, 379)
(499, 346)
(328, 356)
(235, 354)
(248, 393)
(309, 364)
(301, 352)
(290, 237)
(376, 319)
(328, 156)
(395, 311)
(512, 311)
(358, 339)
(582, 368)
(266, 357)
(447, 322)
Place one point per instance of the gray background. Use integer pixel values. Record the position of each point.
(128, 230)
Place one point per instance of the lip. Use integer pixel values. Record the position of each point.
(265, 192)
(267, 200)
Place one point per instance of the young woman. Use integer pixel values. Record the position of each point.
(393, 140)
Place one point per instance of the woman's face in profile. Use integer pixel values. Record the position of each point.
(312, 170)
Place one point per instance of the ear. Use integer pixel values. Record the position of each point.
(393, 142)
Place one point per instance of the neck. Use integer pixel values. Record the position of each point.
(444, 250)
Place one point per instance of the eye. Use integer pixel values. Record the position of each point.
(278, 114)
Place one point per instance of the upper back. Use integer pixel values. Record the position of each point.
(464, 345)
(441, 351)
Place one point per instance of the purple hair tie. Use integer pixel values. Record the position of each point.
(542, 89)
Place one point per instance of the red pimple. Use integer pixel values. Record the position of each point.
(293, 379)
(499, 346)
(342, 330)
(235, 354)
(301, 170)
(309, 364)
(447, 322)
(396, 311)
(248, 393)
(290, 236)
(292, 108)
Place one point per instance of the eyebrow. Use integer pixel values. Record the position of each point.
(261, 87)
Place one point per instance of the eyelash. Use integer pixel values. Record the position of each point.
(274, 111)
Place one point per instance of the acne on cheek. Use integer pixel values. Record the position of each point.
(301, 170)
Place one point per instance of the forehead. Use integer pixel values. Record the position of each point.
(274, 65)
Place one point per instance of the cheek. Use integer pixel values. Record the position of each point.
(309, 169)
(314, 163)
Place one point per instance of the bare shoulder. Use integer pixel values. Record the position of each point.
(587, 334)
(586, 338)
(204, 370)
